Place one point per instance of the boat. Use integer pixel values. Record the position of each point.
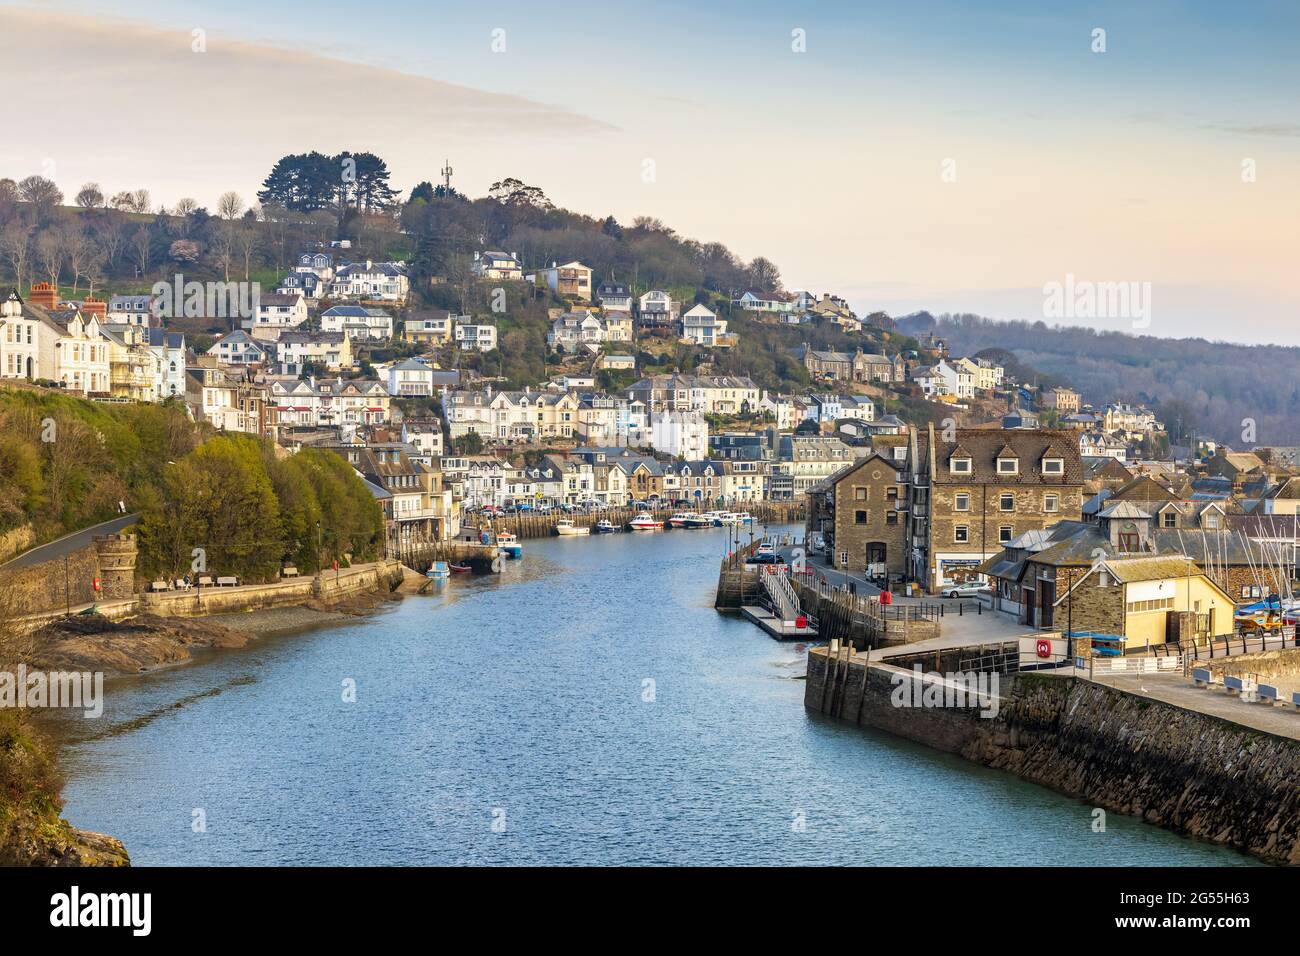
(460, 568)
(644, 521)
(715, 517)
(565, 526)
(438, 571)
(742, 517)
(605, 526)
(698, 521)
(728, 518)
(508, 544)
(679, 520)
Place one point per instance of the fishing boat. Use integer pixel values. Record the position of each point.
(508, 544)
(742, 517)
(644, 521)
(438, 571)
(679, 520)
(715, 517)
(460, 568)
(565, 526)
(605, 526)
(698, 521)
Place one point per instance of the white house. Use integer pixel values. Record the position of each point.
(410, 378)
(383, 281)
(275, 313)
(497, 265)
(702, 326)
(680, 434)
(571, 330)
(239, 348)
(476, 337)
(133, 310)
(752, 301)
(331, 349)
(358, 322)
(614, 296)
(656, 309)
(21, 328)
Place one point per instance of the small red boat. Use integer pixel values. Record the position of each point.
(460, 568)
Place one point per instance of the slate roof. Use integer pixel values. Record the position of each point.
(1029, 446)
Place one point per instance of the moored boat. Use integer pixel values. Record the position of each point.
(460, 568)
(644, 521)
(605, 526)
(566, 527)
(508, 544)
(438, 571)
(698, 521)
(679, 520)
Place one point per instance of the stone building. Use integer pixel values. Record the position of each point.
(976, 493)
(861, 511)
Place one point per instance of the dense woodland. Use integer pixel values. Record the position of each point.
(66, 463)
(1195, 386)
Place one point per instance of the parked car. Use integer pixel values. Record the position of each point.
(765, 547)
(970, 589)
(765, 558)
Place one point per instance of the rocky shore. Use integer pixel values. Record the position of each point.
(148, 642)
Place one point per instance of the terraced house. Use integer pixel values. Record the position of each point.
(976, 493)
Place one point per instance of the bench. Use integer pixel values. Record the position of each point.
(289, 572)
(1267, 694)
(1204, 677)
(205, 580)
(1244, 688)
(160, 586)
(182, 584)
(228, 582)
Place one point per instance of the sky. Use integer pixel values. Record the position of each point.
(955, 157)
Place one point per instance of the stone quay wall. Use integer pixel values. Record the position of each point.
(1197, 775)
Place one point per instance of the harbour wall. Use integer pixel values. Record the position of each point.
(1191, 773)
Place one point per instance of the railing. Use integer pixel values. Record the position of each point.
(1241, 644)
(778, 587)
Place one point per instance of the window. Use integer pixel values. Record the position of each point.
(859, 494)
(1157, 604)
(959, 466)
(1169, 519)
(1051, 504)
(859, 517)
(1008, 466)
(1004, 534)
(1252, 591)
(1053, 466)
(961, 501)
(891, 493)
(961, 534)
(1007, 502)
(1211, 519)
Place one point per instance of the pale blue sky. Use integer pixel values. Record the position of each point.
(1116, 166)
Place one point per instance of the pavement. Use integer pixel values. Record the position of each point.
(60, 547)
(1179, 691)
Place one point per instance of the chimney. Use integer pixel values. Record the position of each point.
(44, 295)
(95, 307)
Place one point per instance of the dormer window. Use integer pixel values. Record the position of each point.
(1053, 466)
(1008, 466)
(959, 466)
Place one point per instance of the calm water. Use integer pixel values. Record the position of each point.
(519, 699)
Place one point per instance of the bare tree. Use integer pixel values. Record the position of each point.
(249, 241)
(124, 201)
(84, 257)
(229, 206)
(140, 201)
(111, 232)
(90, 196)
(52, 251)
(142, 246)
(40, 191)
(16, 246)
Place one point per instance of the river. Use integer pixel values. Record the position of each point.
(586, 706)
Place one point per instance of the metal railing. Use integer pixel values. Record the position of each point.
(777, 584)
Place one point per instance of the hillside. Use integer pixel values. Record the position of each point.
(1196, 386)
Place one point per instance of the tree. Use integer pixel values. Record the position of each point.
(764, 275)
(184, 252)
(16, 246)
(51, 252)
(83, 256)
(369, 190)
(513, 192)
(304, 182)
(142, 247)
(248, 238)
(40, 191)
(423, 192)
(229, 205)
(90, 196)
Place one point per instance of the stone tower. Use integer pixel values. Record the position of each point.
(116, 554)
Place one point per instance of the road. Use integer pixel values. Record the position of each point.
(60, 547)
